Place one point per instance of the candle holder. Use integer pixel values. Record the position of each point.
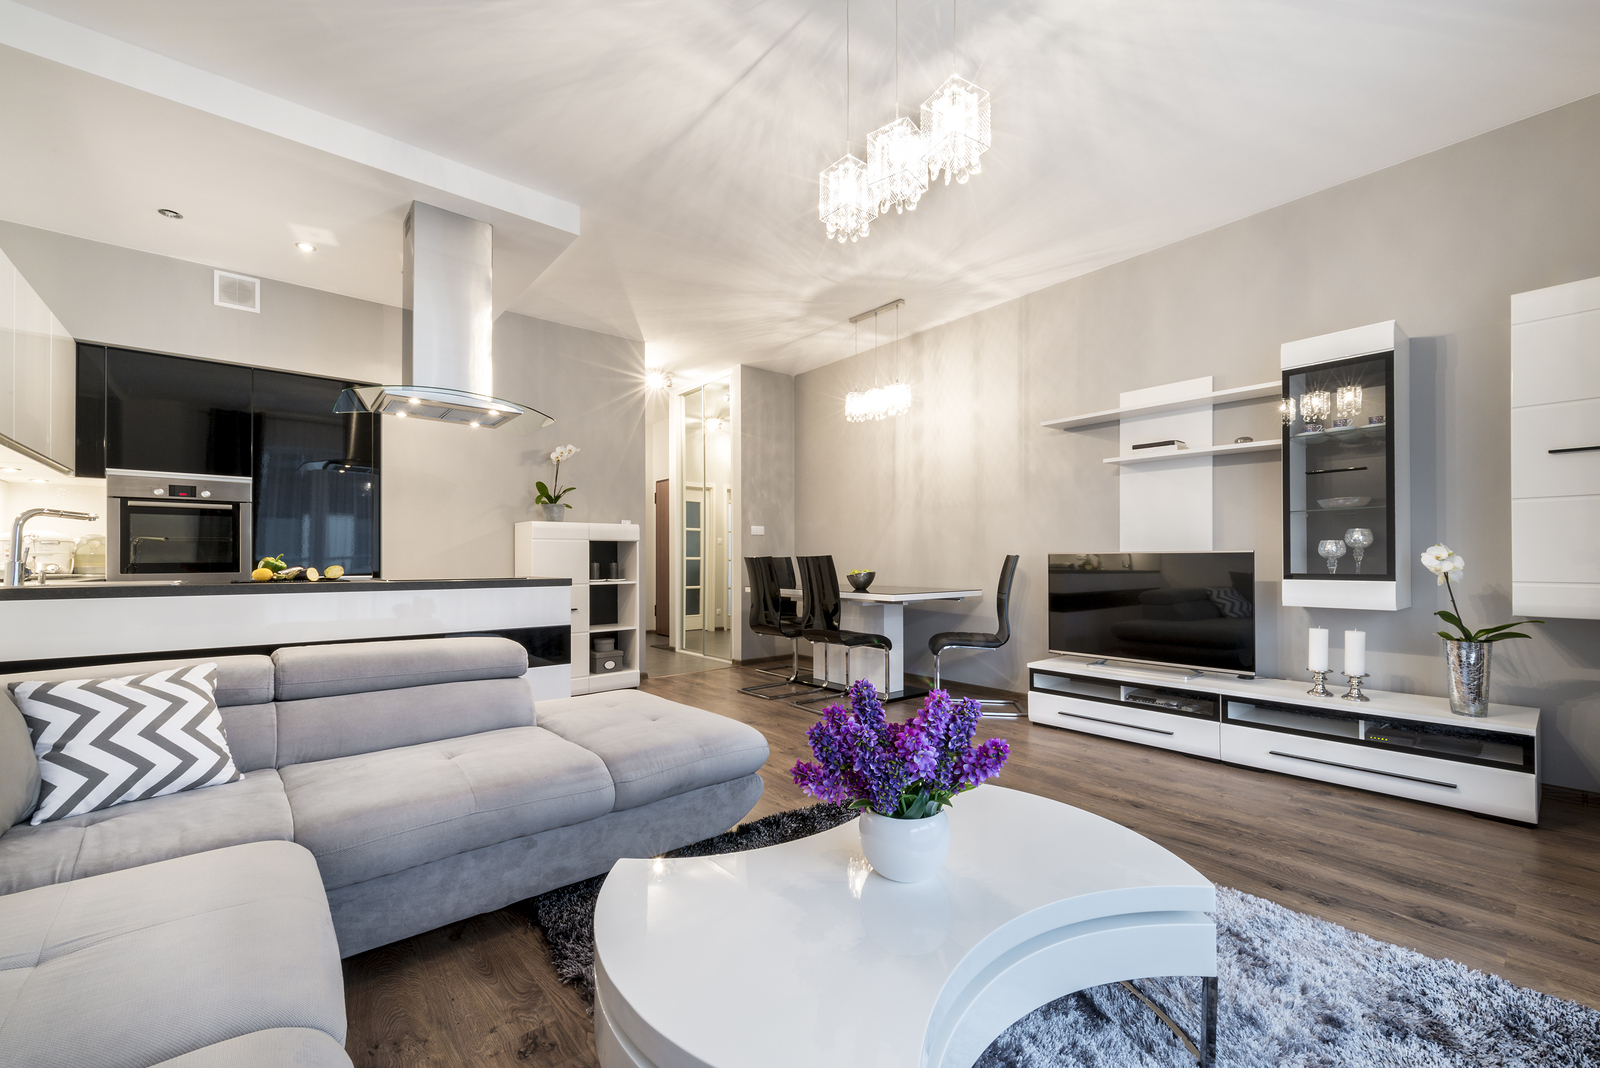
(1321, 688)
(1354, 693)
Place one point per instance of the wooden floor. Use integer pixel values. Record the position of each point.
(1519, 902)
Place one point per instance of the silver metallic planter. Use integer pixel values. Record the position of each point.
(553, 513)
(1468, 666)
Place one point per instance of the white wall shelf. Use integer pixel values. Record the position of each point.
(567, 550)
(1172, 453)
(1221, 396)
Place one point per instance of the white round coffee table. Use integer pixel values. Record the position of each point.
(799, 955)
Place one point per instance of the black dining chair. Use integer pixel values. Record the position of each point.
(767, 617)
(943, 642)
(819, 594)
(783, 568)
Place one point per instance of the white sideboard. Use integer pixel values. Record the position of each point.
(1401, 744)
(1555, 451)
(602, 607)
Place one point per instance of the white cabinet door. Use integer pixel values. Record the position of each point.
(1555, 359)
(1553, 539)
(31, 372)
(8, 343)
(1536, 470)
(63, 396)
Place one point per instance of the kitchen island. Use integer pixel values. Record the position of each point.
(84, 623)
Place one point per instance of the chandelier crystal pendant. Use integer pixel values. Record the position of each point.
(955, 130)
(896, 173)
(845, 202)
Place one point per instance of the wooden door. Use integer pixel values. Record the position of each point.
(663, 594)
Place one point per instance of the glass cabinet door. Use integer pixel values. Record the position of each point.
(1338, 470)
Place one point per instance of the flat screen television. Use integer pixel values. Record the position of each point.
(1184, 610)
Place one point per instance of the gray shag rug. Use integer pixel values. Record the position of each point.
(1295, 992)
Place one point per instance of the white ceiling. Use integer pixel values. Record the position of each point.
(690, 136)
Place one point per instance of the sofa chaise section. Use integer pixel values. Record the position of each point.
(226, 957)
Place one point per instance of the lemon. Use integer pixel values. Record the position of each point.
(333, 572)
(262, 574)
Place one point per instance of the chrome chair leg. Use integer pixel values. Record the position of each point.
(792, 680)
(810, 703)
(997, 702)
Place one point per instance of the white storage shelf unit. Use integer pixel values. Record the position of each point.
(602, 607)
(1401, 744)
(1555, 451)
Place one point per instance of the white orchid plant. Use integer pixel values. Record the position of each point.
(546, 495)
(1443, 561)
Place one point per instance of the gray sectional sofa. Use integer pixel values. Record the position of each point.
(388, 788)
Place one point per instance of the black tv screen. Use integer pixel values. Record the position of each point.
(1191, 610)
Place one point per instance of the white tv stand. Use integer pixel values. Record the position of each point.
(1396, 743)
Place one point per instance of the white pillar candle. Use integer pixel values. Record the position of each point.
(1319, 649)
(1355, 652)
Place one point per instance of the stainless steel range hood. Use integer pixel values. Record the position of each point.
(447, 333)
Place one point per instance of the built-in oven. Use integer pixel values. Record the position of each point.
(163, 525)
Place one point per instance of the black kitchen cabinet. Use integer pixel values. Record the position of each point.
(90, 432)
(168, 413)
(316, 475)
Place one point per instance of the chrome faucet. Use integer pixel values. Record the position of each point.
(14, 574)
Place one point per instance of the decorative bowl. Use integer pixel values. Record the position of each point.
(860, 580)
(1342, 502)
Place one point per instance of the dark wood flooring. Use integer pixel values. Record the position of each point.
(1516, 901)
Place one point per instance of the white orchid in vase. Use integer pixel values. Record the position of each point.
(1444, 562)
(546, 495)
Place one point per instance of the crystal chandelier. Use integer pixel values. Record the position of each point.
(845, 203)
(879, 402)
(896, 175)
(955, 130)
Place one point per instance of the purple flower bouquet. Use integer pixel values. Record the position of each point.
(907, 771)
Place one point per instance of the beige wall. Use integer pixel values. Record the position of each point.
(1439, 243)
(450, 494)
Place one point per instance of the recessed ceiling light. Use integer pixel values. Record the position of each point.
(305, 246)
(399, 415)
(169, 213)
(11, 470)
(38, 480)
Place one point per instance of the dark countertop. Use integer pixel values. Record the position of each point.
(70, 590)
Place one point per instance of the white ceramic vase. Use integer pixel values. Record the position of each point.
(906, 851)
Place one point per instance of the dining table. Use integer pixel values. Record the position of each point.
(877, 610)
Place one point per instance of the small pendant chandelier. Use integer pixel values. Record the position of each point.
(845, 203)
(955, 128)
(896, 172)
(844, 198)
(955, 123)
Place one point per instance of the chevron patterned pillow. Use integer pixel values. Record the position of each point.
(101, 742)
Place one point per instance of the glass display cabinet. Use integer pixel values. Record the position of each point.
(1346, 457)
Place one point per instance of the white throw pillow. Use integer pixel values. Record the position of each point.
(101, 742)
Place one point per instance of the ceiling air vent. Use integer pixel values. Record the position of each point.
(238, 291)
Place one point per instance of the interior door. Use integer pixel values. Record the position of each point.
(694, 558)
(663, 594)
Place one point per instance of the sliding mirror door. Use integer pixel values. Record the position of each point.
(704, 573)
